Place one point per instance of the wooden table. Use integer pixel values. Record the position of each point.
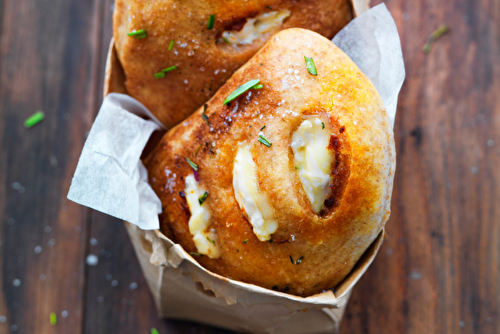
(437, 272)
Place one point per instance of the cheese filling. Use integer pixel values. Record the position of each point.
(256, 27)
(313, 160)
(205, 239)
(254, 203)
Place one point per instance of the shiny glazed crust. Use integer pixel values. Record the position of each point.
(204, 63)
(330, 242)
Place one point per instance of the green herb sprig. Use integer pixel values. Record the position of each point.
(139, 34)
(435, 35)
(161, 74)
(211, 21)
(264, 141)
(34, 119)
(242, 89)
(192, 164)
(203, 197)
(311, 67)
(53, 319)
(171, 45)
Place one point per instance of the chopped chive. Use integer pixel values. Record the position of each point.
(34, 119)
(311, 68)
(205, 106)
(53, 319)
(259, 86)
(203, 197)
(211, 21)
(195, 253)
(171, 45)
(275, 287)
(159, 75)
(315, 286)
(210, 240)
(205, 118)
(270, 241)
(240, 90)
(435, 35)
(287, 289)
(226, 40)
(138, 34)
(192, 164)
(299, 260)
(291, 259)
(197, 150)
(245, 241)
(154, 331)
(168, 69)
(269, 7)
(264, 141)
(297, 167)
(262, 128)
(322, 125)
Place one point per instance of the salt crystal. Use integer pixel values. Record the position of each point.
(38, 249)
(16, 282)
(92, 260)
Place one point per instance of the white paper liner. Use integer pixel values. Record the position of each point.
(114, 181)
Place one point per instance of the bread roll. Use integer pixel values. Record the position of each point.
(203, 59)
(294, 178)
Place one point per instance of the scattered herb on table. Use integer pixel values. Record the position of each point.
(34, 119)
(435, 35)
(53, 319)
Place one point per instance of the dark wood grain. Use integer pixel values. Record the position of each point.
(437, 272)
(47, 61)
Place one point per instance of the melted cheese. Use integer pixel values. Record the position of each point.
(314, 160)
(205, 239)
(256, 27)
(253, 202)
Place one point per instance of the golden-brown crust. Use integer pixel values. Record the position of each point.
(332, 241)
(204, 65)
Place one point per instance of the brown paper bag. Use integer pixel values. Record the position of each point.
(183, 289)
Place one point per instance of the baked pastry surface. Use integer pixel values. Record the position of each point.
(204, 60)
(312, 248)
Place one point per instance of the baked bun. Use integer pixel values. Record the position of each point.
(294, 208)
(205, 58)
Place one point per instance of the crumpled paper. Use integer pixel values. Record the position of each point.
(110, 176)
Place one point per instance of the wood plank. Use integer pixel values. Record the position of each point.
(438, 270)
(47, 57)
